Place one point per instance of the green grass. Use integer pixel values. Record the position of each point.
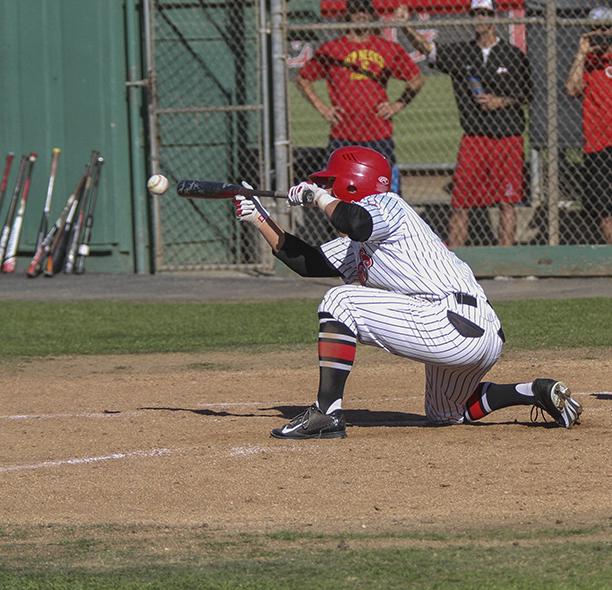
(426, 131)
(32, 329)
(569, 323)
(399, 560)
(69, 558)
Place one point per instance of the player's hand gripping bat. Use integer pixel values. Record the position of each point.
(205, 189)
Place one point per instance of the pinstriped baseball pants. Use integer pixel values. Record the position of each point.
(420, 330)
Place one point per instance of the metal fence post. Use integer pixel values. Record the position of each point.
(265, 92)
(148, 18)
(552, 123)
(135, 85)
(279, 103)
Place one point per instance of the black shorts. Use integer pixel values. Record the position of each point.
(598, 184)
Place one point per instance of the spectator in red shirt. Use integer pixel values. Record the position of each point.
(357, 67)
(591, 78)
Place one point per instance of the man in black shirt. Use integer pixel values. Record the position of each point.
(492, 84)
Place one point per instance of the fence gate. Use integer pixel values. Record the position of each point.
(205, 120)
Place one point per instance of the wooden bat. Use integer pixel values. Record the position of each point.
(207, 189)
(43, 228)
(83, 249)
(74, 238)
(57, 248)
(6, 228)
(10, 255)
(42, 251)
(5, 177)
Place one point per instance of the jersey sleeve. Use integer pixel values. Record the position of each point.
(401, 65)
(339, 254)
(387, 217)
(316, 67)
(524, 83)
(446, 58)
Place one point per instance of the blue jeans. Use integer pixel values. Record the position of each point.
(385, 146)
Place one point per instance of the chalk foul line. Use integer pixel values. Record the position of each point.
(85, 460)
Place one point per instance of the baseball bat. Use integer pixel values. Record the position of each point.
(7, 172)
(6, 228)
(10, 258)
(57, 248)
(42, 251)
(74, 238)
(43, 228)
(207, 189)
(83, 249)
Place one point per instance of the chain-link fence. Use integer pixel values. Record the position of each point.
(206, 119)
(458, 98)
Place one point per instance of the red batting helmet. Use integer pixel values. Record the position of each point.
(355, 172)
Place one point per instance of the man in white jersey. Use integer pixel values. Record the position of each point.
(405, 292)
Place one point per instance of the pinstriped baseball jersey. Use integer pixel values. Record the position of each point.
(403, 254)
(408, 303)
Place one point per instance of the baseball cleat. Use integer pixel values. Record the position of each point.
(312, 423)
(554, 397)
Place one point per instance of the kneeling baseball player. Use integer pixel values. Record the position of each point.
(404, 292)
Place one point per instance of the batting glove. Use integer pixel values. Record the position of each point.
(308, 194)
(250, 209)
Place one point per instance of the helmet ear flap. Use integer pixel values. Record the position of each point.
(344, 189)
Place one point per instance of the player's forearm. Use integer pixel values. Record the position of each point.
(509, 101)
(574, 84)
(271, 233)
(307, 90)
(413, 87)
(418, 41)
(494, 101)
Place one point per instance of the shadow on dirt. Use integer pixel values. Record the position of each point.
(365, 417)
(206, 412)
(353, 417)
(359, 418)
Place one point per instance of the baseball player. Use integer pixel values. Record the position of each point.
(404, 292)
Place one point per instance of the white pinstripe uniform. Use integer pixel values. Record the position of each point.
(408, 281)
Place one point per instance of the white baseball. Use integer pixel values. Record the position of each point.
(158, 184)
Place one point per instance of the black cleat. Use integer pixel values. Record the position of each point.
(312, 423)
(554, 397)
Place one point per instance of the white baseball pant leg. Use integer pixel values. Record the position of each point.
(420, 330)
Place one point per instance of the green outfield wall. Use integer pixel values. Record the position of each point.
(64, 71)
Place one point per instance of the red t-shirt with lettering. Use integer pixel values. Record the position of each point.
(357, 76)
(597, 102)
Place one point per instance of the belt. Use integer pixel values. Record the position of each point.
(466, 299)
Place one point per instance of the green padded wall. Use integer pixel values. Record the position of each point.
(64, 72)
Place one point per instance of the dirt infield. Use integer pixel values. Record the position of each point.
(182, 439)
